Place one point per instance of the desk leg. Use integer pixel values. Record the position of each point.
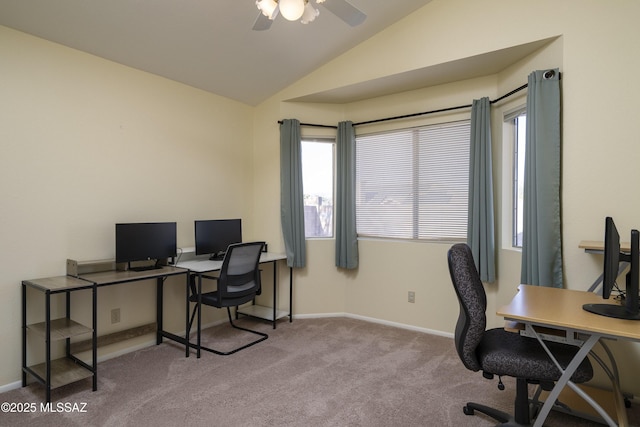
(621, 410)
(275, 287)
(186, 311)
(160, 332)
(48, 345)
(565, 380)
(94, 344)
(67, 344)
(290, 294)
(24, 334)
(614, 376)
(198, 344)
(159, 306)
(194, 283)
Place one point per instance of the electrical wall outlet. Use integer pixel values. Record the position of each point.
(115, 316)
(412, 296)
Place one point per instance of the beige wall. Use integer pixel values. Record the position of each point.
(71, 115)
(87, 143)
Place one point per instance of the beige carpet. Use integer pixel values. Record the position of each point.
(312, 372)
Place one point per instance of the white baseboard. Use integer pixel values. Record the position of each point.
(374, 320)
(10, 386)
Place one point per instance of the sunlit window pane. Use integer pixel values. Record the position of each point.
(518, 190)
(317, 182)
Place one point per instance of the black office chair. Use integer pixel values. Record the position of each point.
(238, 283)
(500, 352)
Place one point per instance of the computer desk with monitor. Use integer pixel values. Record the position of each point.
(541, 310)
(144, 251)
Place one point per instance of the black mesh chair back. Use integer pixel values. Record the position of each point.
(239, 280)
(238, 283)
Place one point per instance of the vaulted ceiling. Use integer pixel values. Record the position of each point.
(211, 44)
(208, 44)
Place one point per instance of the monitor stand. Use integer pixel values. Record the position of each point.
(612, 310)
(217, 257)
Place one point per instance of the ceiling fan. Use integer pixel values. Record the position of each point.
(304, 10)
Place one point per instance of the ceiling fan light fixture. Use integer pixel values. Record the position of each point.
(310, 13)
(292, 10)
(267, 7)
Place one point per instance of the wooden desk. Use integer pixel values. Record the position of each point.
(598, 246)
(561, 309)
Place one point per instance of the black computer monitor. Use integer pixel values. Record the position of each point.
(630, 307)
(611, 257)
(213, 237)
(145, 241)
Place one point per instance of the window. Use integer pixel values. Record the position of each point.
(520, 126)
(414, 183)
(318, 187)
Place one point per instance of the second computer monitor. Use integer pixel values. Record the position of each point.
(214, 236)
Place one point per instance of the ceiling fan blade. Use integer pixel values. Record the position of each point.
(262, 23)
(345, 11)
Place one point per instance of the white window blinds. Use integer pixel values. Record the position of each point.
(413, 183)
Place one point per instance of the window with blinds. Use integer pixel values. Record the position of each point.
(413, 183)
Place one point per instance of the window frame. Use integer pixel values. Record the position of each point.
(517, 162)
(510, 167)
(322, 140)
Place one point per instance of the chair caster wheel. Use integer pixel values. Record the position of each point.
(468, 411)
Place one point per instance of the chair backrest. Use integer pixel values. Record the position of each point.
(472, 320)
(240, 275)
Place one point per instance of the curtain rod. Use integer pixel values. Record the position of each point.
(524, 86)
(313, 125)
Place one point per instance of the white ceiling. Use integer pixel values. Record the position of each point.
(208, 44)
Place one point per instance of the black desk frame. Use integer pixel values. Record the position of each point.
(118, 277)
(275, 296)
(46, 380)
(94, 281)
